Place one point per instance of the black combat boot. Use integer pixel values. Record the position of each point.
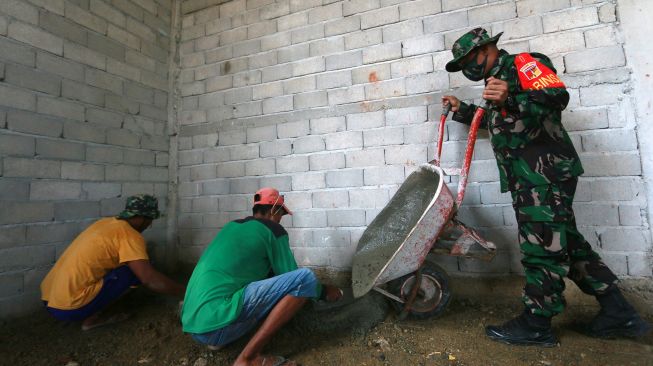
(526, 329)
(617, 318)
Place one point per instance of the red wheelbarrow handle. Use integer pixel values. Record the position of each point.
(469, 150)
(446, 108)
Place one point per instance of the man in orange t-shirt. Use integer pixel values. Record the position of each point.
(102, 263)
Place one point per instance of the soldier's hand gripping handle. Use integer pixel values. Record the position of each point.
(452, 101)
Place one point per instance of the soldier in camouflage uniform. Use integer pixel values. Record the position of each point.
(102, 263)
(540, 167)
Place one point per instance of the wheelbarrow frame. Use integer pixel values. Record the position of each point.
(445, 222)
(417, 243)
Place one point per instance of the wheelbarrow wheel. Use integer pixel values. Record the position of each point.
(432, 297)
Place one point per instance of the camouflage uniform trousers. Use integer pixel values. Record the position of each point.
(552, 248)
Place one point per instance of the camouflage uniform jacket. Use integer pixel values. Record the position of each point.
(530, 144)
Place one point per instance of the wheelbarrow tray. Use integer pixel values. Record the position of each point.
(402, 234)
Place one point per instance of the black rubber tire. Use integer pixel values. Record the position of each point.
(434, 294)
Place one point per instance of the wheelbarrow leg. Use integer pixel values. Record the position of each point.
(412, 296)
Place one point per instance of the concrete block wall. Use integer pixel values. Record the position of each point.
(335, 103)
(83, 98)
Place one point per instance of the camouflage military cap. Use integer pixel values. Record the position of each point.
(141, 205)
(466, 43)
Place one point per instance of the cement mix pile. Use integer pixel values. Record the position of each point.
(355, 315)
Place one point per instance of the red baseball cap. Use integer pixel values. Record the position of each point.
(270, 196)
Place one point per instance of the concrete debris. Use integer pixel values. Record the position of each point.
(201, 362)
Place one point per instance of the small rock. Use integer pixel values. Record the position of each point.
(382, 343)
(72, 363)
(201, 362)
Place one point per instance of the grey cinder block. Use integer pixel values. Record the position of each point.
(327, 161)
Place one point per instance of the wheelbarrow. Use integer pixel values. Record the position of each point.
(420, 219)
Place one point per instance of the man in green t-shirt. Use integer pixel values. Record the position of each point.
(248, 275)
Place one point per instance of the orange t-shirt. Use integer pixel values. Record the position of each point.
(77, 276)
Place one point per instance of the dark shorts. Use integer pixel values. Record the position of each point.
(115, 283)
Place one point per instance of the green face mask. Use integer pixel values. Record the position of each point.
(474, 71)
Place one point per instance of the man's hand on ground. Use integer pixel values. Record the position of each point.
(332, 293)
(155, 280)
(496, 91)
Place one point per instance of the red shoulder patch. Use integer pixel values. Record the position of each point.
(533, 75)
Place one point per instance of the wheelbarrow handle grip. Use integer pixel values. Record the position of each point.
(446, 108)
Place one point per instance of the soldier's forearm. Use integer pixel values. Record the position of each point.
(465, 113)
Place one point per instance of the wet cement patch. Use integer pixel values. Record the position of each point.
(357, 316)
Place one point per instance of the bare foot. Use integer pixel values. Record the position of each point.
(95, 321)
(266, 360)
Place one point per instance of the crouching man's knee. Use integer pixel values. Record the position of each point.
(307, 282)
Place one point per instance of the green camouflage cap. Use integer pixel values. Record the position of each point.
(466, 43)
(141, 205)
